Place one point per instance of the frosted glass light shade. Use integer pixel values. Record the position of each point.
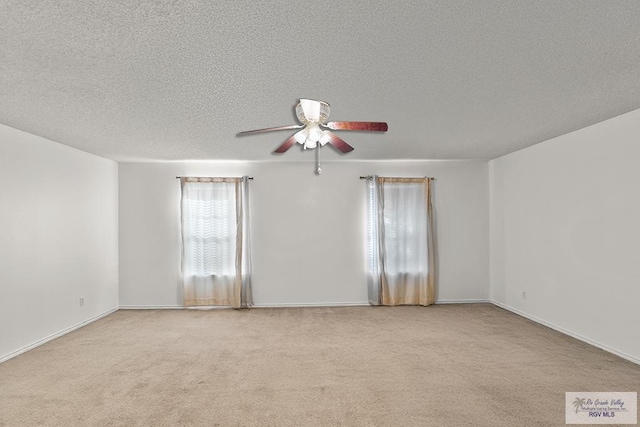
(323, 114)
(302, 136)
(324, 138)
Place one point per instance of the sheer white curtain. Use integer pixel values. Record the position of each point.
(400, 241)
(216, 261)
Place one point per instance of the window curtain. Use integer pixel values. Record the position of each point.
(216, 252)
(401, 244)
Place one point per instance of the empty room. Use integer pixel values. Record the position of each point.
(279, 213)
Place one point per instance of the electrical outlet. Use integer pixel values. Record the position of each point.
(81, 301)
(524, 294)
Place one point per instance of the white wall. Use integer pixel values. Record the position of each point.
(565, 229)
(58, 239)
(308, 230)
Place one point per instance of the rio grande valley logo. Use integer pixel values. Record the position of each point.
(601, 408)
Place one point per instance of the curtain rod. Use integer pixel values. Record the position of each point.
(371, 176)
(179, 177)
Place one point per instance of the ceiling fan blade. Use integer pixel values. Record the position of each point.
(338, 143)
(247, 132)
(368, 126)
(311, 109)
(286, 145)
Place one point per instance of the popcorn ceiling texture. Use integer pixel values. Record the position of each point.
(176, 80)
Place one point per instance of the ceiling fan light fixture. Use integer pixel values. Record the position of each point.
(311, 111)
(315, 131)
(311, 135)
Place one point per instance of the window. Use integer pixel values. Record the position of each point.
(209, 234)
(400, 241)
(215, 242)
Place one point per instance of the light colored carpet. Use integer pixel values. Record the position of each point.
(447, 365)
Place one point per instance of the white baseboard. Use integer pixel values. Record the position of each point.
(151, 307)
(567, 332)
(311, 304)
(296, 304)
(462, 301)
(55, 335)
(363, 303)
(266, 305)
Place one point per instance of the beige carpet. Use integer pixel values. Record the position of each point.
(447, 365)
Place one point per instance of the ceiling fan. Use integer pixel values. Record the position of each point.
(315, 129)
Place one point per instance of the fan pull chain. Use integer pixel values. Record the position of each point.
(318, 168)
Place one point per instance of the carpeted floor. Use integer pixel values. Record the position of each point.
(445, 365)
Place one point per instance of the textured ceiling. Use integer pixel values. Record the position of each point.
(176, 80)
